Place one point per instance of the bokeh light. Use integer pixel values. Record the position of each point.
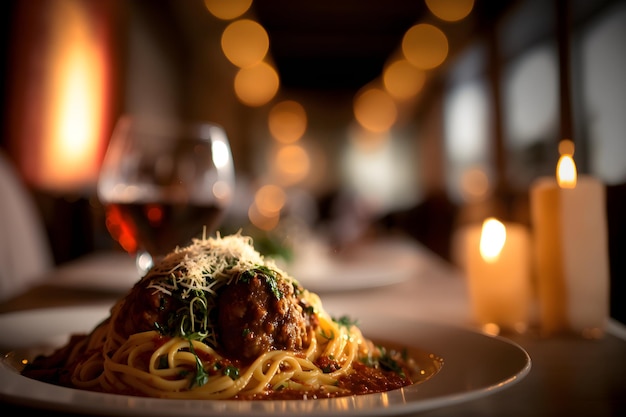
(425, 46)
(402, 80)
(257, 85)
(261, 221)
(450, 10)
(292, 164)
(375, 110)
(270, 199)
(475, 184)
(287, 121)
(73, 101)
(245, 43)
(227, 9)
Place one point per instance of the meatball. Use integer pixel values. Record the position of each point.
(144, 307)
(253, 319)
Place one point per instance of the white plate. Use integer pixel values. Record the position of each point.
(114, 272)
(475, 365)
(365, 266)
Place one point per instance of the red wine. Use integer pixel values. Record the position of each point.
(158, 228)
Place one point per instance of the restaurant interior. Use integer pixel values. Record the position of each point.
(376, 143)
(349, 122)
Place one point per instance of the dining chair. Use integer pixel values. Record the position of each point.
(25, 253)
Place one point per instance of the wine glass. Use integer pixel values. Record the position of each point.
(164, 182)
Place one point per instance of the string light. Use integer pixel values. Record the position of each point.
(227, 9)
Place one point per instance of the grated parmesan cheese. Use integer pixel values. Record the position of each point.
(207, 264)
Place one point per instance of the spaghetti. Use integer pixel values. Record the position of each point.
(215, 320)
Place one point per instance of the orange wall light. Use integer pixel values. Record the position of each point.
(60, 128)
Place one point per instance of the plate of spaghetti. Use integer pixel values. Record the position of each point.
(215, 328)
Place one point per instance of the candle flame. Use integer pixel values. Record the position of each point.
(566, 172)
(492, 239)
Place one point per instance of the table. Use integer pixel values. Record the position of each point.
(569, 376)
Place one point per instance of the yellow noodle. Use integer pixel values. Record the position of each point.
(137, 364)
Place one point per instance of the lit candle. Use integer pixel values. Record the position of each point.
(498, 273)
(571, 251)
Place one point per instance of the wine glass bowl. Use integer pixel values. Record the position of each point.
(164, 182)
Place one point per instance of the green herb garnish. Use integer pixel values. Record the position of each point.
(345, 321)
(268, 274)
(202, 377)
(387, 362)
(232, 372)
(329, 336)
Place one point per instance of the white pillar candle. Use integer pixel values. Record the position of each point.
(497, 266)
(571, 252)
